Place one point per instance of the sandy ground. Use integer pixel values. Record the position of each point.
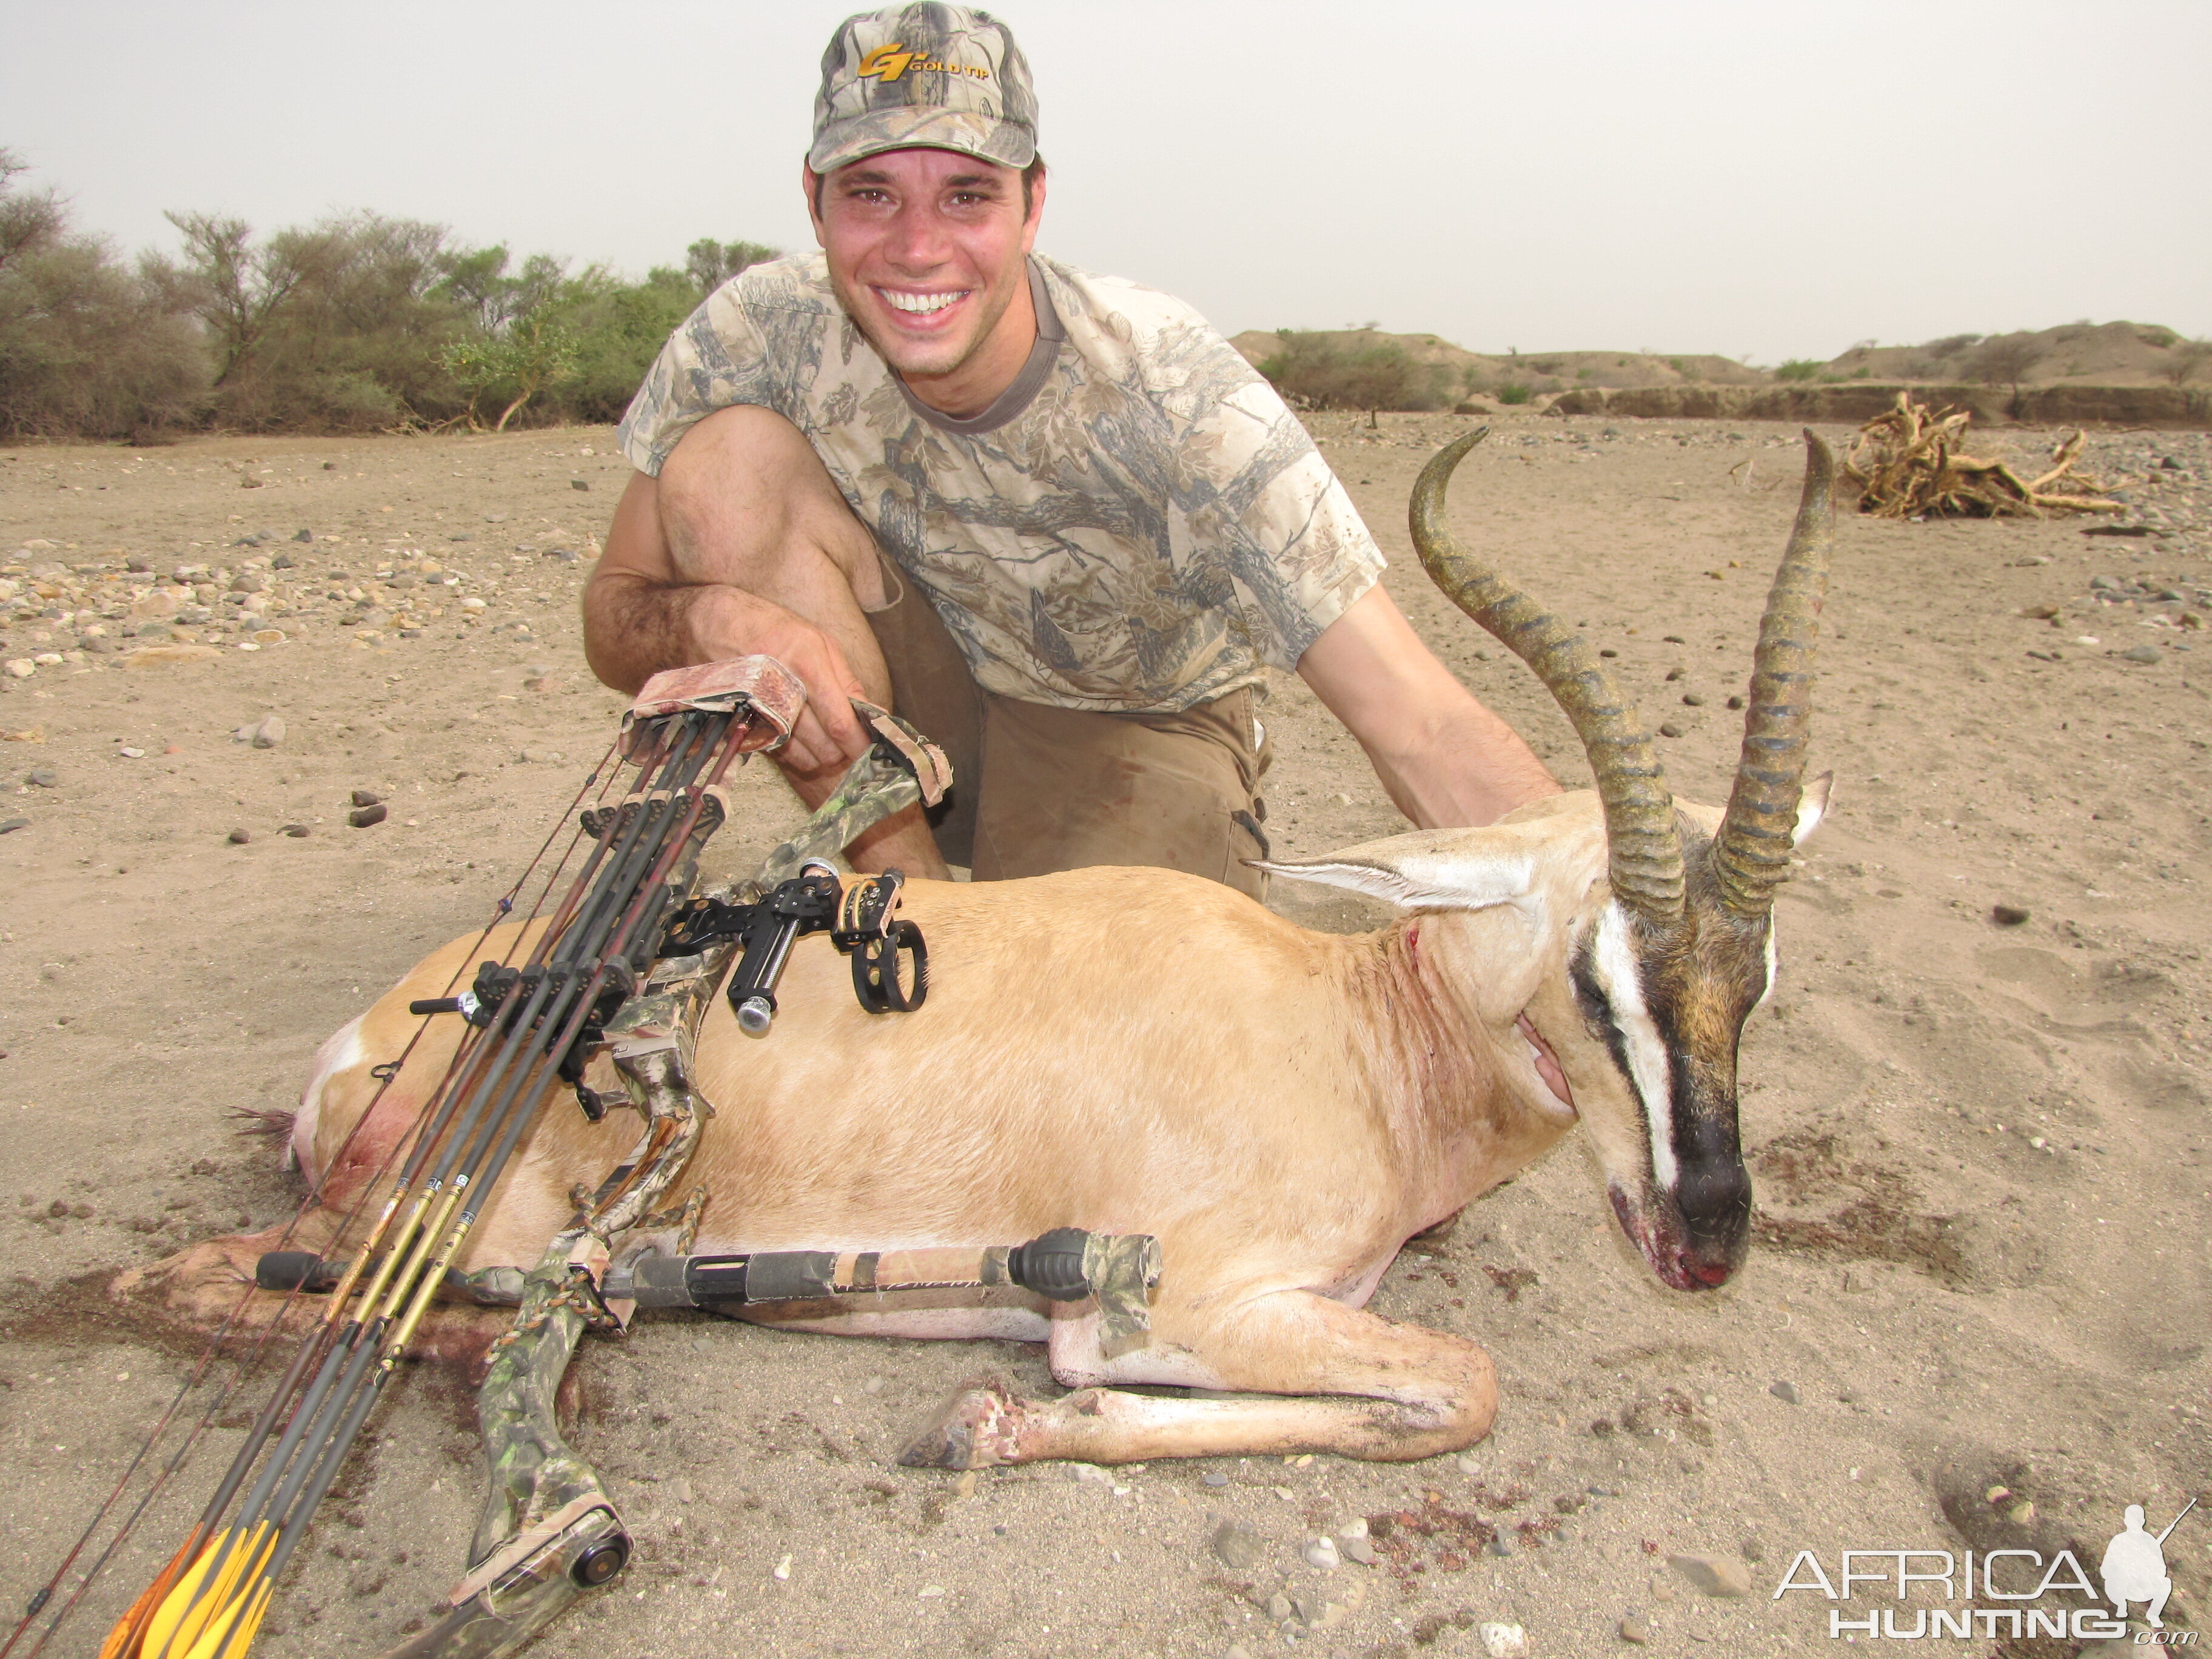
(1980, 1150)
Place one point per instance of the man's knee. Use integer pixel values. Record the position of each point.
(744, 491)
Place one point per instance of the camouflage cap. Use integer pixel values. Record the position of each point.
(946, 77)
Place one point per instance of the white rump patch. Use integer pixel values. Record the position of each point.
(1773, 968)
(1650, 1068)
(341, 1051)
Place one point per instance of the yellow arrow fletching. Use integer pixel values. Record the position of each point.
(123, 1642)
(188, 1613)
(229, 1635)
(184, 1598)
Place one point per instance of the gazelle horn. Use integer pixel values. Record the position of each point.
(1644, 848)
(1751, 854)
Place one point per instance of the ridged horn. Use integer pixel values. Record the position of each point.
(1643, 849)
(1751, 854)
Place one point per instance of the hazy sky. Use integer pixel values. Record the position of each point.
(1774, 180)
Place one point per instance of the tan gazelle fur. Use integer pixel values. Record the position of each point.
(1132, 1050)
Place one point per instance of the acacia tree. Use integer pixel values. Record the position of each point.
(710, 263)
(532, 353)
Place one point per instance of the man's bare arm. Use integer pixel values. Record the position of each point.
(640, 615)
(1444, 759)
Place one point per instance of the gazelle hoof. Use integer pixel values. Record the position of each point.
(977, 1428)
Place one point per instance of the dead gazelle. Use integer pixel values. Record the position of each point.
(1136, 1052)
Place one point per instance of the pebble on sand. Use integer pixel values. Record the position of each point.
(2008, 915)
(1353, 1544)
(1785, 1391)
(265, 734)
(295, 830)
(1713, 1575)
(239, 838)
(1633, 1629)
(1503, 1641)
(1321, 1552)
(366, 798)
(362, 816)
(2143, 654)
(1236, 1544)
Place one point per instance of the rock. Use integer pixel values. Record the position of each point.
(1668, 729)
(132, 754)
(1237, 1544)
(44, 776)
(295, 830)
(1713, 1575)
(265, 734)
(98, 645)
(1237, 1651)
(1502, 1544)
(362, 816)
(366, 798)
(2143, 654)
(1735, 703)
(1501, 1641)
(579, 484)
(268, 637)
(1091, 1474)
(139, 564)
(1786, 1392)
(2008, 915)
(306, 535)
(248, 583)
(681, 1486)
(1215, 1477)
(1467, 1465)
(59, 1209)
(21, 668)
(239, 838)
(10, 826)
(1322, 1553)
(1692, 700)
(1633, 1629)
(1278, 1605)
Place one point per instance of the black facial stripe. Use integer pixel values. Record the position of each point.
(1598, 1016)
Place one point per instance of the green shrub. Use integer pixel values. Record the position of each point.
(1514, 392)
(1799, 368)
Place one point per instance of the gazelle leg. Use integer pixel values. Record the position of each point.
(1343, 1381)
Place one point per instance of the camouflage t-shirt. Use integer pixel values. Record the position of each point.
(1135, 525)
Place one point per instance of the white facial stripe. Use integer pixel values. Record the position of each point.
(1649, 1066)
(1773, 968)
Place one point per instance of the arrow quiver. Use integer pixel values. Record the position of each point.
(548, 1530)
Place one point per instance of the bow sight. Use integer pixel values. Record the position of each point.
(613, 983)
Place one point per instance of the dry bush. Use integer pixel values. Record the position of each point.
(1908, 465)
(88, 348)
(1319, 371)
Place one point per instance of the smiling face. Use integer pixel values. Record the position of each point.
(928, 253)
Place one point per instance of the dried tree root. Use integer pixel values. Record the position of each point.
(1907, 463)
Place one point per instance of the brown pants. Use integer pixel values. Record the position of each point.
(1037, 788)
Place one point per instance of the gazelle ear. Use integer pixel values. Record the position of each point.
(1427, 870)
(1813, 807)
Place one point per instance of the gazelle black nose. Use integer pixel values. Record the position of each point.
(1713, 1188)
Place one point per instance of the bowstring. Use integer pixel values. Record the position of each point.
(603, 776)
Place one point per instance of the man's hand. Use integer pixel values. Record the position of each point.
(641, 615)
(1445, 759)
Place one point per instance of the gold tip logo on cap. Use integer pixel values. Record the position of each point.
(887, 62)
